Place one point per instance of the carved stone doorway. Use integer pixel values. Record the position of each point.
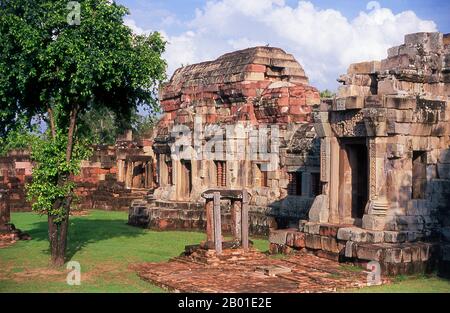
(353, 180)
(186, 178)
(139, 172)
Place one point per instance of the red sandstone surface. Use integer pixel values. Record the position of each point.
(307, 274)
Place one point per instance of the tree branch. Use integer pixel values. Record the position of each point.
(72, 126)
(52, 122)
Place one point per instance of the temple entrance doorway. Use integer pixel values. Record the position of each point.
(353, 180)
(139, 172)
(186, 178)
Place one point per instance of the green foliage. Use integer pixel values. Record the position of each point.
(99, 125)
(45, 62)
(143, 125)
(103, 126)
(47, 186)
(104, 245)
(48, 64)
(20, 137)
(327, 94)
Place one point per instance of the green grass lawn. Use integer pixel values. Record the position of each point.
(413, 284)
(106, 248)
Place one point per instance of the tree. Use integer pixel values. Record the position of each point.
(100, 125)
(327, 94)
(19, 137)
(57, 65)
(143, 125)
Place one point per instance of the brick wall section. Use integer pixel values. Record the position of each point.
(4, 208)
(399, 109)
(264, 85)
(15, 172)
(98, 185)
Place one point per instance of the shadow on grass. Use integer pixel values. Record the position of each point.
(84, 231)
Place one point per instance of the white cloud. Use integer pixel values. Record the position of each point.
(324, 41)
(135, 28)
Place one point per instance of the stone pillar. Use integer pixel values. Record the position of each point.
(209, 220)
(217, 224)
(377, 206)
(120, 170)
(129, 175)
(320, 208)
(325, 162)
(236, 207)
(244, 220)
(334, 180)
(4, 208)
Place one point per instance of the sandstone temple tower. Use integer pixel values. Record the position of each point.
(259, 91)
(385, 158)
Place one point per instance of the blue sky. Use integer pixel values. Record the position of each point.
(436, 10)
(325, 36)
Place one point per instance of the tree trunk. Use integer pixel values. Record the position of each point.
(72, 125)
(53, 238)
(63, 232)
(52, 122)
(58, 230)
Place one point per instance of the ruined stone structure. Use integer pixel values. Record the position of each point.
(215, 250)
(5, 215)
(385, 161)
(8, 232)
(116, 175)
(111, 179)
(250, 90)
(15, 172)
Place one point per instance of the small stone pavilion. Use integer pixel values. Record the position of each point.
(251, 90)
(384, 161)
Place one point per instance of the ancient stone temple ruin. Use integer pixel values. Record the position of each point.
(258, 95)
(384, 161)
(8, 232)
(116, 175)
(5, 215)
(215, 250)
(110, 179)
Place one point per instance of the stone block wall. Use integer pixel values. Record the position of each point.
(101, 184)
(4, 208)
(15, 172)
(192, 216)
(396, 252)
(248, 89)
(397, 112)
(399, 109)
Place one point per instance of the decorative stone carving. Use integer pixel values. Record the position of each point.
(372, 170)
(375, 121)
(325, 159)
(348, 123)
(378, 207)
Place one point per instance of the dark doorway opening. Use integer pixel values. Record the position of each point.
(359, 163)
(295, 183)
(353, 180)
(186, 177)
